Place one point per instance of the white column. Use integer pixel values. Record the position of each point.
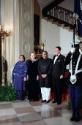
(10, 17)
(26, 27)
(7, 20)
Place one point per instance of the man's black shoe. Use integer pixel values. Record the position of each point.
(43, 101)
(77, 119)
(48, 101)
(54, 101)
(72, 119)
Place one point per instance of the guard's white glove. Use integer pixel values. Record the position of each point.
(44, 75)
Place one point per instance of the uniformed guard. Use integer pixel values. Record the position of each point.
(74, 59)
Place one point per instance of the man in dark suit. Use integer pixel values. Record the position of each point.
(44, 70)
(57, 74)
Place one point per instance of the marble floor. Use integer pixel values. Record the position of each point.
(34, 113)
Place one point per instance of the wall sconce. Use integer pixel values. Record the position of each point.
(42, 46)
(5, 31)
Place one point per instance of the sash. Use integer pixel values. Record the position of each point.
(73, 78)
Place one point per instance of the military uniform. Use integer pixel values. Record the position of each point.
(75, 88)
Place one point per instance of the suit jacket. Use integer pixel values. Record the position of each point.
(59, 67)
(45, 67)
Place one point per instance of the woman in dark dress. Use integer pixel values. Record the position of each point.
(33, 85)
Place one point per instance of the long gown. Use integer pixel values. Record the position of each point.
(18, 74)
(33, 84)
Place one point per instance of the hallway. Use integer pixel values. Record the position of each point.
(34, 113)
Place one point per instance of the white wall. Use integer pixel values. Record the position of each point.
(66, 39)
(49, 34)
(53, 35)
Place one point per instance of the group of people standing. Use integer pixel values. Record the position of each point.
(39, 77)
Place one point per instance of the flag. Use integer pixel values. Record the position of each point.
(78, 12)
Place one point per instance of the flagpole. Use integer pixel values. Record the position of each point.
(75, 16)
(74, 33)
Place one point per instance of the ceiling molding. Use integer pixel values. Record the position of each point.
(44, 3)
